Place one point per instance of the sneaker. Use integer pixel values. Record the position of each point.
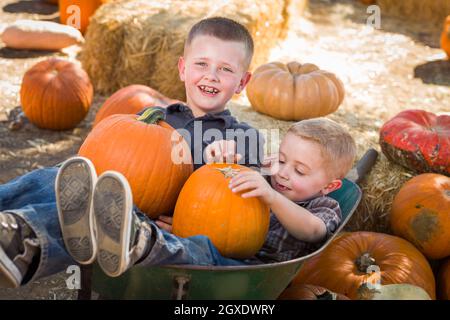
(18, 246)
(121, 237)
(74, 186)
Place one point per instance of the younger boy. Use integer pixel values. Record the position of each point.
(314, 156)
(214, 66)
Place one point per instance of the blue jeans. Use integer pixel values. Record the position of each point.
(32, 197)
(171, 249)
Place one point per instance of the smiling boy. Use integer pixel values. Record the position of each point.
(33, 244)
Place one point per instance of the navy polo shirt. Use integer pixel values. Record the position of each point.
(201, 131)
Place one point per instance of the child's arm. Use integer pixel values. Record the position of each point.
(299, 222)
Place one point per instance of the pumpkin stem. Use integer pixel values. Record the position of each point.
(152, 116)
(229, 172)
(364, 261)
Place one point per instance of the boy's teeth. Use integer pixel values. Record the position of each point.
(208, 89)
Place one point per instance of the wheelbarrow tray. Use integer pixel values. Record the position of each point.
(265, 281)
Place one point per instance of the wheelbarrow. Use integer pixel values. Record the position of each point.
(265, 281)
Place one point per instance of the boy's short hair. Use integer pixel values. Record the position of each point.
(224, 29)
(336, 144)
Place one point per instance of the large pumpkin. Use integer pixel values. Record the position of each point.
(445, 37)
(309, 292)
(421, 214)
(206, 206)
(56, 94)
(443, 280)
(132, 99)
(342, 266)
(77, 12)
(154, 158)
(294, 91)
(418, 140)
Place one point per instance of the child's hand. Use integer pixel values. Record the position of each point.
(223, 151)
(165, 222)
(255, 183)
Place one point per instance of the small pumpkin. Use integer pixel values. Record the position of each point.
(294, 91)
(418, 140)
(143, 150)
(445, 37)
(76, 13)
(309, 292)
(420, 213)
(347, 262)
(443, 280)
(132, 99)
(56, 94)
(40, 35)
(236, 226)
(393, 292)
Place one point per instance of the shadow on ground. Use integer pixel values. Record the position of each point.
(37, 7)
(434, 72)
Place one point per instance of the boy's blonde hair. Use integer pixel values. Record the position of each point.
(337, 146)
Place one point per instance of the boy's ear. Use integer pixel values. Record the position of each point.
(244, 80)
(332, 186)
(181, 68)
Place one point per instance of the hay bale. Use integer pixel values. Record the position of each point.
(379, 187)
(139, 41)
(432, 11)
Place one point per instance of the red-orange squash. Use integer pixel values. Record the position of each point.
(153, 157)
(418, 140)
(342, 266)
(76, 13)
(443, 280)
(421, 214)
(294, 91)
(309, 292)
(206, 206)
(56, 94)
(132, 99)
(445, 37)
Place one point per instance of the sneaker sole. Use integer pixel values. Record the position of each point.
(74, 185)
(10, 276)
(112, 205)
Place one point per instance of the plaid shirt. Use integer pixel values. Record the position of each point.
(281, 246)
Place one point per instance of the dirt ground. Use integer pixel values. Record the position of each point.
(384, 71)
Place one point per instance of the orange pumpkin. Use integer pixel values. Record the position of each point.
(56, 94)
(309, 292)
(421, 214)
(445, 37)
(206, 206)
(143, 149)
(132, 99)
(443, 280)
(343, 266)
(294, 91)
(77, 12)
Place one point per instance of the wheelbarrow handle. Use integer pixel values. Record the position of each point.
(363, 167)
